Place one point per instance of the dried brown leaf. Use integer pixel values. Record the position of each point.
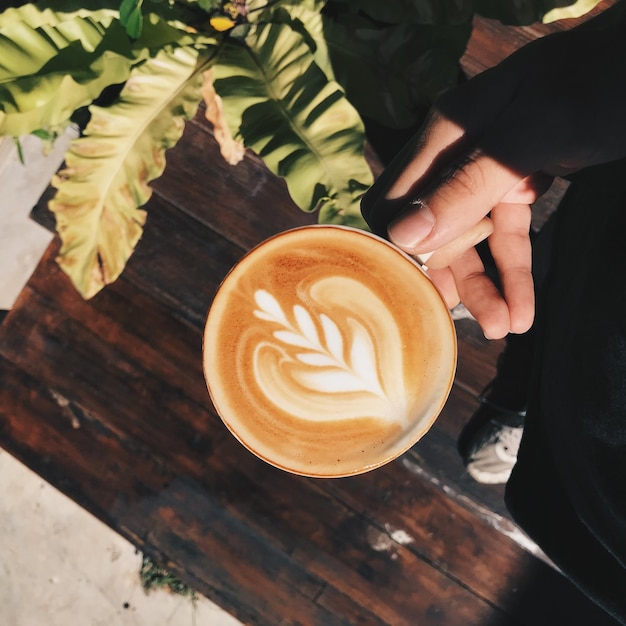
(233, 151)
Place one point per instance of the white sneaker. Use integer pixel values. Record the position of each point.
(493, 456)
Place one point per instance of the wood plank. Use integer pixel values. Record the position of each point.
(436, 460)
(137, 495)
(396, 500)
(120, 384)
(192, 523)
(324, 535)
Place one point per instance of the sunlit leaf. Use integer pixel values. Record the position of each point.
(52, 13)
(48, 71)
(578, 9)
(285, 109)
(108, 170)
(305, 17)
(53, 63)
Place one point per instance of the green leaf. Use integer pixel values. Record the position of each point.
(52, 13)
(20, 152)
(303, 17)
(410, 65)
(49, 135)
(284, 108)
(208, 5)
(578, 9)
(158, 33)
(108, 170)
(31, 39)
(49, 71)
(131, 17)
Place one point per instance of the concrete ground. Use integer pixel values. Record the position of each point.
(59, 565)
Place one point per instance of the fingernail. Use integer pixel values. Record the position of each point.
(411, 228)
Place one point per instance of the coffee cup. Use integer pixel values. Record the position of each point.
(328, 352)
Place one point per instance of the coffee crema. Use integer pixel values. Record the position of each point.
(328, 352)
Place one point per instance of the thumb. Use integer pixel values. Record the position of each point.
(451, 207)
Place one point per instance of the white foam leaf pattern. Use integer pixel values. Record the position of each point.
(306, 324)
(334, 341)
(269, 308)
(264, 316)
(316, 359)
(360, 354)
(333, 373)
(292, 338)
(339, 382)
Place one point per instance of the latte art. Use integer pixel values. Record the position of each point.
(325, 360)
(328, 352)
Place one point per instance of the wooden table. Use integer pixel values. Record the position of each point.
(106, 400)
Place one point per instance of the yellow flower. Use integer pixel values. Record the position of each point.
(221, 23)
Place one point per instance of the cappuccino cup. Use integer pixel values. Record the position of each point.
(328, 352)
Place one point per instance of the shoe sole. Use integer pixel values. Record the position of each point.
(489, 478)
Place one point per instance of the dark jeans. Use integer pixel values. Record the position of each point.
(568, 489)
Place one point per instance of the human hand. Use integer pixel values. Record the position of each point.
(492, 147)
